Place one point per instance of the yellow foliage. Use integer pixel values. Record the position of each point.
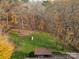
(6, 48)
(1, 25)
(14, 18)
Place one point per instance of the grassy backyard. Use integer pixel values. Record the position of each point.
(25, 45)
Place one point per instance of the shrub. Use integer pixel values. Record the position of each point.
(6, 48)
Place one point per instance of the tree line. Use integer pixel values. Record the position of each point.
(59, 18)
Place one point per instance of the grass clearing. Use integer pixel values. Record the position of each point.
(24, 45)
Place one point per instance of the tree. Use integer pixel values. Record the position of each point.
(68, 11)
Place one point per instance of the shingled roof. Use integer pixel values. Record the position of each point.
(42, 51)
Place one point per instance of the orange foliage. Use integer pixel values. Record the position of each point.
(58, 24)
(41, 25)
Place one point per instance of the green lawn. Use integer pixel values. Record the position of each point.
(24, 45)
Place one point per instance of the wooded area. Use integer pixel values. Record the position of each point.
(58, 17)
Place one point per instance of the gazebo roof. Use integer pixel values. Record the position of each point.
(42, 51)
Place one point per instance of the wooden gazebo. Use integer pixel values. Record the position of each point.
(42, 52)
